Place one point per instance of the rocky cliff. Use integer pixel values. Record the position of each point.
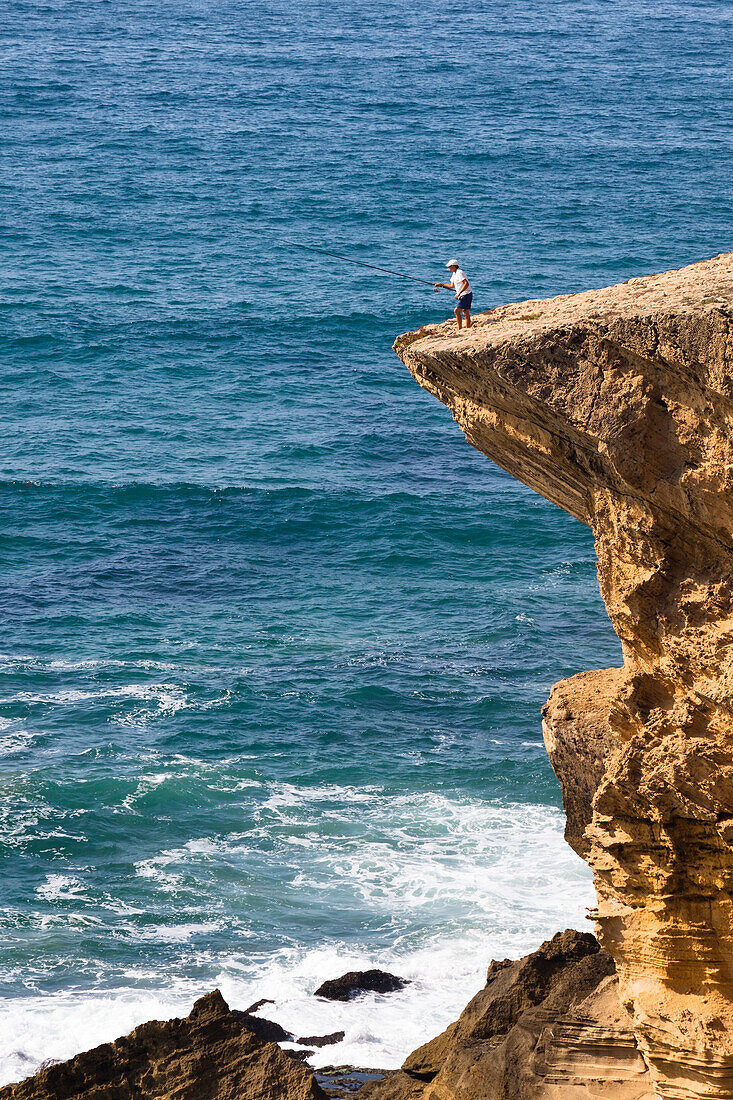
(549, 1025)
(617, 405)
(211, 1054)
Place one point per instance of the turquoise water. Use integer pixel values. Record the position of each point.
(275, 638)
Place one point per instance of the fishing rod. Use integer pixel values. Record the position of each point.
(359, 263)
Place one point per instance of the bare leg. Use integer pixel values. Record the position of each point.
(467, 315)
(458, 316)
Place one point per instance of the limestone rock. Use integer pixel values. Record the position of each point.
(548, 1025)
(579, 742)
(209, 1055)
(617, 405)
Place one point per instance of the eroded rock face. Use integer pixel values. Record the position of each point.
(209, 1055)
(549, 1025)
(617, 405)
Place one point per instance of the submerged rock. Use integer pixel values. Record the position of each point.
(209, 1055)
(322, 1040)
(258, 1005)
(343, 1082)
(360, 981)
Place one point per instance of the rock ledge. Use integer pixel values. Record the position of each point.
(617, 405)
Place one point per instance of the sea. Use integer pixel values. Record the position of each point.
(275, 639)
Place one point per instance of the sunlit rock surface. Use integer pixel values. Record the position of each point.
(617, 405)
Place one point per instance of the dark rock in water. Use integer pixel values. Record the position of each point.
(267, 1030)
(322, 1040)
(345, 1082)
(360, 981)
(209, 1055)
(299, 1055)
(258, 1004)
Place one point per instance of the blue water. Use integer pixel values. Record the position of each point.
(275, 638)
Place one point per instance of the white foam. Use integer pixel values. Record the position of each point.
(14, 738)
(287, 794)
(168, 700)
(76, 695)
(27, 661)
(57, 887)
(448, 884)
(168, 867)
(34, 1029)
(379, 1030)
(178, 933)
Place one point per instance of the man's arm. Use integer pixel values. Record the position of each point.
(445, 286)
(462, 288)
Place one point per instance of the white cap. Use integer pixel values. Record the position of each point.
(452, 263)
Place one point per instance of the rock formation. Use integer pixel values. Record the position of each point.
(617, 405)
(209, 1055)
(360, 981)
(321, 1040)
(550, 1025)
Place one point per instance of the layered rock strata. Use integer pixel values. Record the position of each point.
(209, 1055)
(617, 405)
(549, 1025)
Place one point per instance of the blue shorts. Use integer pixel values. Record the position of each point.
(464, 302)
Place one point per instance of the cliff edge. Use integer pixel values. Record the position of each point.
(617, 405)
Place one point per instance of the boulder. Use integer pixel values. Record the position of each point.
(266, 1030)
(258, 1005)
(321, 1040)
(360, 981)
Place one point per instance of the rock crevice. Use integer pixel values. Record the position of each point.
(617, 405)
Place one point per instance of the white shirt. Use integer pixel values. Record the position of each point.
(459, 277)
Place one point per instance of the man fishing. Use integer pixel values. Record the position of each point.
(458, 280)
(464, 295)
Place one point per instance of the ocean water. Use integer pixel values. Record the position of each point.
(275, 639)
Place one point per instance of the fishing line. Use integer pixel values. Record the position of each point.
(359, 263)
